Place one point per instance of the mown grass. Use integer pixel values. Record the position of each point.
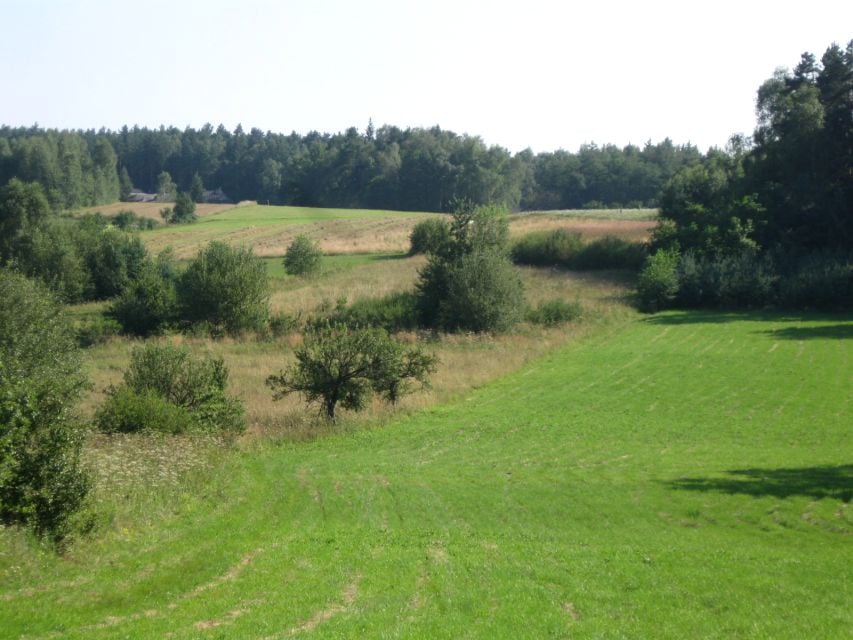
(687, 475)
(270, 229)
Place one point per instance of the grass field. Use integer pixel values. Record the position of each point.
(686, 475)
(270, 229)
(152, 209)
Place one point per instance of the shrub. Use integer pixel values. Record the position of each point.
(169, 373)
(302, 257)
(148, 304)
(484, 293)
(554, 312)
(428, 236)
(610, 252)
(738, 280)
(50, 254)
(818, 281)
(341, 366)
(127, 411)
(114, 259)
(98, 330)
(657, 284)
(394, 312)
(42, 481)
(561, 248)
(469, 283)
(225, 287)
(184, 210)
(547, 248)
(127, 220)
(282, 324)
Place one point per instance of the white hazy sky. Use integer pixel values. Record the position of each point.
(543, 74)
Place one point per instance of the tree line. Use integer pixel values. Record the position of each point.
(768, 222)
(388, 168)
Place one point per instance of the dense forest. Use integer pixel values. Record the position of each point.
(386, 168)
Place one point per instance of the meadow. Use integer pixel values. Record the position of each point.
(685, 474)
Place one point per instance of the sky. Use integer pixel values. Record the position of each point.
(524, 73)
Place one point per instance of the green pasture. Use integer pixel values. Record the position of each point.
(264, 215)
(687, 475)
(331, 264)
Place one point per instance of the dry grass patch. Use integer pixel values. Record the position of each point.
(152, 209)
(590, 228)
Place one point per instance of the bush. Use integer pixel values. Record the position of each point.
(657, 285)
(302, 257)
(394, 312)
(225, 287)
(42, 481)
(127, 220)
(554, 312)
(114, 259)
(148, 304)
(127, 411)
(469, 283)
(339, 366)
(547, 248)
(98, 330)
(283, 324)
(484, 293)
(610, 252)
(50, 254)
(561, 248)
(428, 236)
(739, 280)
(818, 281)
(184, 210)
(197, 386)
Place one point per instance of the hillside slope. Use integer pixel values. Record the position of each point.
(689, 476)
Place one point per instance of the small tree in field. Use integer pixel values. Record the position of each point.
(226, 287)
(338, 366)
(302, 257)
(469, 283)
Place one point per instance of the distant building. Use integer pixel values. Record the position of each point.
(140, 196)
(216, 196)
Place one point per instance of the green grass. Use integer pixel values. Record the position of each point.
(330, 264)
(253, 216)
(686, 476)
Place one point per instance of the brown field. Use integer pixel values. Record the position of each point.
(589, 228)
(152, 209)
(357, 235)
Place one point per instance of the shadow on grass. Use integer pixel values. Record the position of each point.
(831, 331)
(721, 317)
(812, 482)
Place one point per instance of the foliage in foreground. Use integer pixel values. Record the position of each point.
(42, 482)
(166, 390)
(341, 366)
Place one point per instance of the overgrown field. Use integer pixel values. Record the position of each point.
(686, 475)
